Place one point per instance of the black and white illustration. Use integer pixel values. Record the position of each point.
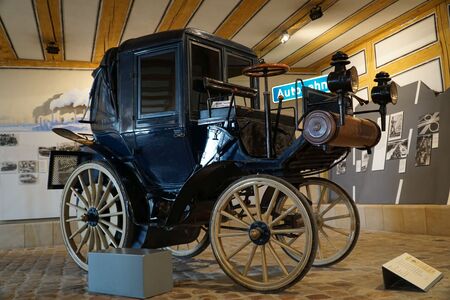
(8, 167)
(44, 152)
(28, 166)
(428, 123)
(395, 126)
(28, 178)
(423, 150)
(341, 167)
(8, 139)
(397, 149)
(364, 161)
(64, 166)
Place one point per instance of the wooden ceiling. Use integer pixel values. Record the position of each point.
(84, 29)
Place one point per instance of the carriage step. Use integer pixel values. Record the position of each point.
(137, 273)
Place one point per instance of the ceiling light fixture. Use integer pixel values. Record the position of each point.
(285, 37)
(315, 13)
(52, 48)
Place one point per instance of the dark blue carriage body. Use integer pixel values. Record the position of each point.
(153, 121)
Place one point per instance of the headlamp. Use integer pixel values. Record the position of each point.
(342, 80)
(385, 92)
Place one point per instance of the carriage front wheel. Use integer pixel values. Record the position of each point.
(93, 214)
(243, 233)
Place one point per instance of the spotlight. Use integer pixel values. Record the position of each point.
(52, 48)
(285, 37)
(382, 94)
(315, 13)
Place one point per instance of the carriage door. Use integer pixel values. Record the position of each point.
(161, 145)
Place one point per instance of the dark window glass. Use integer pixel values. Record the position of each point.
(235, 66)
(205, 62)
(157, 83)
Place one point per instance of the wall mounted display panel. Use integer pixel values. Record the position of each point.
(429, 73)
(410, 39)
(22, 29)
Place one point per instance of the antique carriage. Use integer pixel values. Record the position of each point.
(181, 156)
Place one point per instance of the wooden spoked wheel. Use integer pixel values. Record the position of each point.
(337, 221)
(194, 248)
(243, 234)
(93, 214)
(265, 70)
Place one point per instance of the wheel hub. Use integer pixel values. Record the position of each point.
(91, 217)
(259, 233)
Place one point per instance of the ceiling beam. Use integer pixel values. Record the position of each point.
(361, 15)
(113, 16)
(48, 15)
(6, 48)
(390, 27)
(178, 14)
(240, 15)
(291, 25)
(43, 64)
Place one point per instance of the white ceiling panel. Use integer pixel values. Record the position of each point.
(331, 17)
(389, 13)
(79, 24)
(144, 18)
(211, 14)
(20, 23)
(266, 20)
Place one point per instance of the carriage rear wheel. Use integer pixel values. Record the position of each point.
(243, 232)
(337, 221)
(93, 212)
(194, 248)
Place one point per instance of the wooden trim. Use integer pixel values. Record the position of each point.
(444, 39)
(49, 20)
(303, 71)
(360, 16)
(110, 26)
(6, 47)
(392, 26)
(241, 14)
(292, 24)
(45, 64)
(178, 14)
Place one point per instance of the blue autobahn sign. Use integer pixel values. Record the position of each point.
(288, 90)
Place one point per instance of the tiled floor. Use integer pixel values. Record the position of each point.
(48, 273)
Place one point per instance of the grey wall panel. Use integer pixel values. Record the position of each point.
(421, 185)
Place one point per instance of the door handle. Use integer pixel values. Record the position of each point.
(179, 132)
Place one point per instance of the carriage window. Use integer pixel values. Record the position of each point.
(205, 62)
(235, 65)
(157, 83)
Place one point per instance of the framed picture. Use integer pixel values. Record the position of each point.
(395, 126)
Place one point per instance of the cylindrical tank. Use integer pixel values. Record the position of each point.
(321, 128)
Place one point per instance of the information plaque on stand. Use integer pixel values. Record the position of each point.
(408, 272)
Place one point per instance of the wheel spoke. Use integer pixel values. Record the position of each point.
(79, 208)
(105, 194)
(336, 217)
(92, 186)
(250, 259)
(119, 213)
(111, 225)
(257, 202)
(234, 228)
(283, 215)
(294, 239)
(322, 194)
(319, 248)
(84, 240)
(330, 206)
(91, 239)
(327, 238)
(79, 230)
(74, 219)
(110, 236)
(244, 207)
(222, 235)
(277, 258)
(286, 231)
(264, 263)
(230, 216)
(102, 238)
(308, 192)
(99, 188)
(85, 189)
(109, 204)
(335, 230)
(287, 247)
(271, 205)
(81, 197)
(238, 249)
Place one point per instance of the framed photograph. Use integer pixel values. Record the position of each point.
(8, 167)
(8, 139)
(28, 166)
(395, 126)
(28, 178)
(428, 123)
(341, 167)
(423, 150)
(364, 161)
(397, 149)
